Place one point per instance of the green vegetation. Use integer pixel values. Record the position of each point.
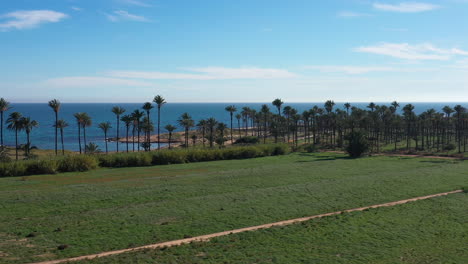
(430, 231)
(108, 209)
(118, 160)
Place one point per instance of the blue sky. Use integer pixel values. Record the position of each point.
(233, 51)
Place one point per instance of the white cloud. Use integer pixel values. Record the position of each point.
(351, 14)
(353, 69)
(406, 7)
(136, 3)
(209, 73)
(122, 15)
(425, 51)
(29, 19)
(94, 82)
(76, 8)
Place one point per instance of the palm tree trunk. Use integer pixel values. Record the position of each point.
(56, 133)
(84, 138)
(149, 131)
(16, 142)
(170, 138)
(105, 139)
(138, 132)
(232, 139)
(159, 124)
(28, 143)
(127, 138)
(79, 136)
(61, 137)
(118, 128)
(133, 138)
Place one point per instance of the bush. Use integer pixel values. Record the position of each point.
(77, 163)
(357, 144)
(121, 160)
(247, 140)
(41, 167)
(167, 157)
(9, 169)
(310, 148)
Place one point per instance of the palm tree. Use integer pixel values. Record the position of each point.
(221, 127)
(137, 115)
(14, 123)
(170, 129)
(372, 107)
(55, 105)
(147, 107)
(160, 101)
(231, 109)
(186, 122)
(347, 106)
(202, 127)
(459, 110)
(4, 106)
(211, 123)
(92, 148)
(118, 111)
(79, 117)
(105, 126)
(278, 103)
(61, 124)
(86, 122)
(265, 111)
(27, 125)
(239, 117)
(128, 120)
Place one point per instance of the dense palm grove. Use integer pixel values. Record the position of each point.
(392, 127)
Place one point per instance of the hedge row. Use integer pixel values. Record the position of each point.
(118, 160)
(36, 167)
(166, 157)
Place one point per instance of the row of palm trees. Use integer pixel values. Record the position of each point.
(383, 125)
(325, 125)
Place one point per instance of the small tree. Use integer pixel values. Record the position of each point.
(357, 144)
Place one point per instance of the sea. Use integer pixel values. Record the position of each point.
(43, 136)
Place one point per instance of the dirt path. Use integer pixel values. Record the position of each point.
(235, 231)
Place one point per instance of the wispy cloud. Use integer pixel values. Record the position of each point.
(425, 51)
(86, 81)
(406, 7)
(208, 73)
(29, 19)
(75, 8)
(351, 14)
(355, 70)
(122, 15)
(136, 3)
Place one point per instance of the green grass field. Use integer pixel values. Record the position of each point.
(430, 231)
(111, 209)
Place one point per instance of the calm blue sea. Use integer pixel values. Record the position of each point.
(43, 136)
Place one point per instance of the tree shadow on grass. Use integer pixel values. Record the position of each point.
(440, 161)
(325, 158)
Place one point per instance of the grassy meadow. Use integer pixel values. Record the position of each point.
(429, 231)
(108, 209)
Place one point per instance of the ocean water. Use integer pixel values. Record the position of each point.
(43, 136)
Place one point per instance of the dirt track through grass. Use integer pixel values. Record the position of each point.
(235, 231)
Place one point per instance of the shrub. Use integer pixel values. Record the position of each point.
(166, 157)
(77, 163)
(357, 144)
(310, 148)
(9, 169)
(41, 167)
(247, 140)
(121, 160)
